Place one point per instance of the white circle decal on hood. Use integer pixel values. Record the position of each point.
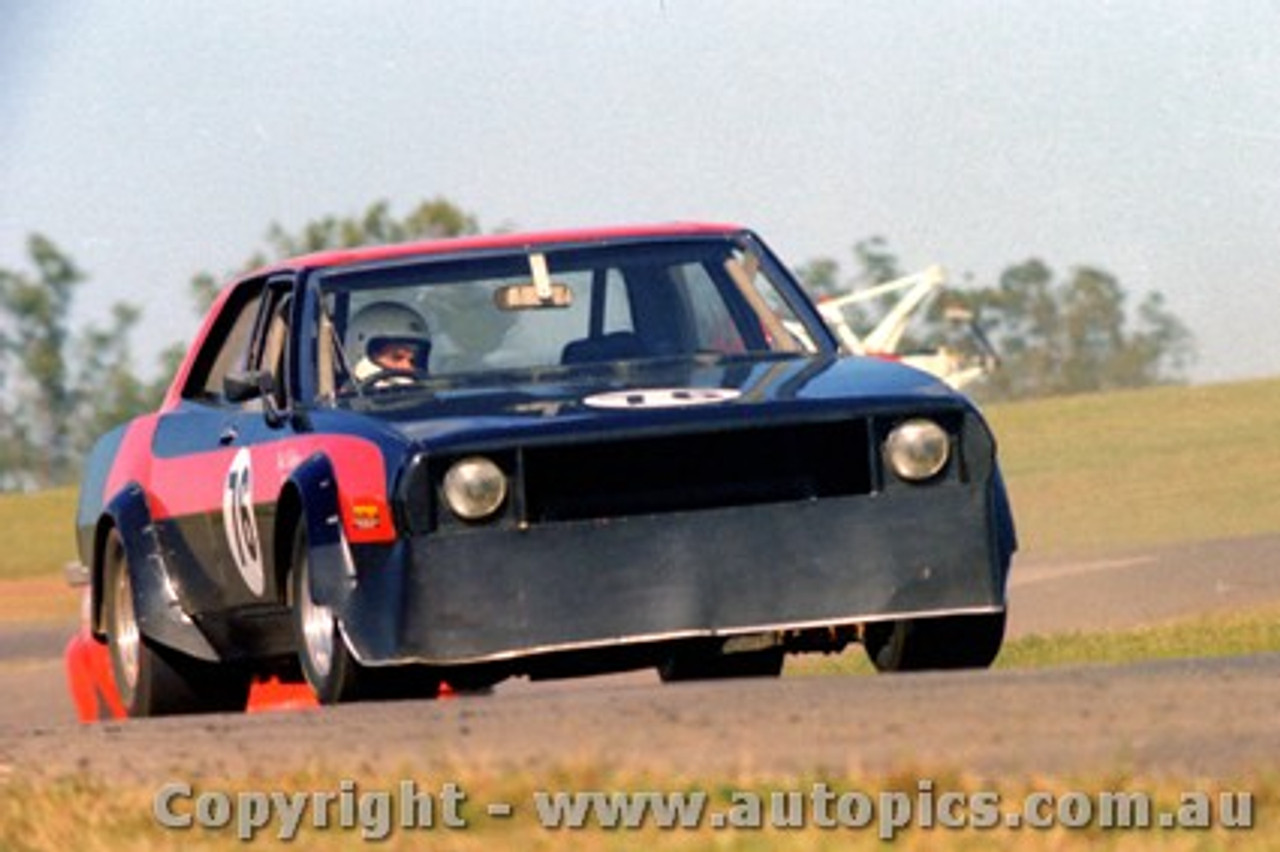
(661, 398)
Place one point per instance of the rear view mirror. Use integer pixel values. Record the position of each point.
(525, 297)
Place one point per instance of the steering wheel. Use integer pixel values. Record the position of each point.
(391, 376)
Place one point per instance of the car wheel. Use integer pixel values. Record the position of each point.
(703, 662)
(949, 642)
(335, 675)
(151, 679)
(326, 663)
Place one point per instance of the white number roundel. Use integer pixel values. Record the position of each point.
(661, 398)
(239, 522)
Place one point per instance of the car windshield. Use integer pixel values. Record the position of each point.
(418, 323)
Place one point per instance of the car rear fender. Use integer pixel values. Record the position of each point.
(159, 612)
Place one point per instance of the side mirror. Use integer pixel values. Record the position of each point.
(247, 385)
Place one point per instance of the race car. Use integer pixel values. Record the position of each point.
(543, 454)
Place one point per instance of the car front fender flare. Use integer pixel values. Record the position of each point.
(332, 574)
(1006, 535)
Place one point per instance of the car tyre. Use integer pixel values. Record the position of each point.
(328, 665)
(949, 642)
(151, 679)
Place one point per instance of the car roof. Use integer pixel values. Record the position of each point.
(452, 245)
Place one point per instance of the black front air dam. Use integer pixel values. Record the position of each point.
(491, 594)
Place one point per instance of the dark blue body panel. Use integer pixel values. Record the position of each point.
(510, 588)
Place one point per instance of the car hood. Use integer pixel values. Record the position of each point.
(647, 395)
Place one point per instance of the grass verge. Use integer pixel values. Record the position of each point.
(90, 815)
(1089, 474)
(38, 531)
(1225, 634)
(1219, 634)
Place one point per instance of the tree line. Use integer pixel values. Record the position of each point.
(1054, 333)
(61, 387)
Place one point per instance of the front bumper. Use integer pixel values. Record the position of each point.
(475, 595)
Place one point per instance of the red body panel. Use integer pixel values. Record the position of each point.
(193, 484)
(340, 257)
(133, 460)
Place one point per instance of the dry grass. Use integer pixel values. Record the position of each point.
(38, 533)
(38, 600)
(75, 813)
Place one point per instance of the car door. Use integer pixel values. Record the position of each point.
(214, 469)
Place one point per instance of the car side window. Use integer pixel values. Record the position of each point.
(269, 351)
(711, 322)
(226, 348)
(617, 306)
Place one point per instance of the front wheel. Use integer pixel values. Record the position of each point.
(335, 675)
(947, 642)
(151, 679)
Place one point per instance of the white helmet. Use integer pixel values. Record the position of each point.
(381, 323)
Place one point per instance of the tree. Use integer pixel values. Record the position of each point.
(821, 277)
(1054, 337)
(1077, 335)
(432, 219)
(109, 391)
(479, 330)
(61, 387)
(41, 400)
(876, 264)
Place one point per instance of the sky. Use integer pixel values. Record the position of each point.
(155, 139)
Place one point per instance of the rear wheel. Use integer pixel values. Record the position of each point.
(949, 642)
(328, 665)
(154, 680)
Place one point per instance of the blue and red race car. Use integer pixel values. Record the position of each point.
(545, 454)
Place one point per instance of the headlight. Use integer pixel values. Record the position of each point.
(917, 449)
(474, 488)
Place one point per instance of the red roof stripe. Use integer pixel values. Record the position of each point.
(338, 257)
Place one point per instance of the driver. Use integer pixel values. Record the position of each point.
(389, 336)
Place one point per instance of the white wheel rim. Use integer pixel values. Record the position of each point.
(128, 638)
(318, 626)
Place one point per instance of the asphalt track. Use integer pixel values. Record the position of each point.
(1200, 718)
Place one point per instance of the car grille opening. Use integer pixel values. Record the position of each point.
(696, 471)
